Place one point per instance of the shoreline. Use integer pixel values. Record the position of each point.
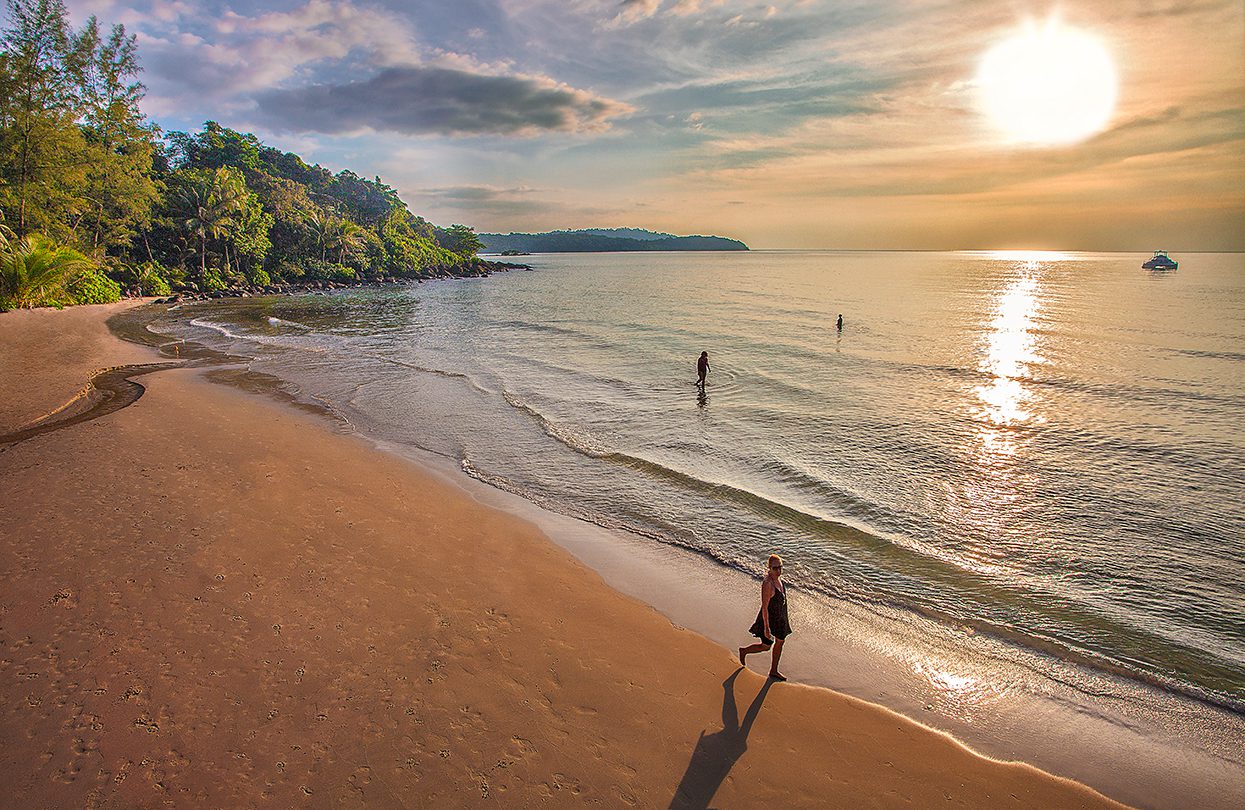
(1134, 762)
(1122, 747)
(624, 699)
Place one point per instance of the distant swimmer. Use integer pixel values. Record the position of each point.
(702, 368)
(839, 325)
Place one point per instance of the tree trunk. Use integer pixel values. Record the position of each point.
(21, 204)
(99, 224)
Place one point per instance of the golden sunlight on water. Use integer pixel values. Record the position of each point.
(1011, 348)
(984, 499)
(956, 693)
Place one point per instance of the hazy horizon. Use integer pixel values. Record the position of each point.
(789, 125)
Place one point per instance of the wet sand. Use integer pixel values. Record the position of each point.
(212, 599)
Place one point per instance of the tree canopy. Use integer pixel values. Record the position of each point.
(82, 166)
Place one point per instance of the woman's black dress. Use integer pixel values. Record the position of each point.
(779, 625)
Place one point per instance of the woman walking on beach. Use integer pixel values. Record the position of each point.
(772, 624)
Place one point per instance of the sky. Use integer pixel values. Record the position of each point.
(800, 124)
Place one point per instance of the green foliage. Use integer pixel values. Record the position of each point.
(211, 281)
(80, 163)
(89, 286)
(149, 278)
(120, 191)
(327, 270)
(259, 277)
(335, 236)
(407, 253)
(460, 240)
(218, 147)
(288, 219)
(367, 201)
(248, 232)
(34, 271)
(75, 153)
(208, 206)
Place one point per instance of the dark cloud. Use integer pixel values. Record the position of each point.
(488, 199)
(1186, 8)
(475, 193)
(442, 101)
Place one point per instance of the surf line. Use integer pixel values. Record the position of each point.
(107, 391)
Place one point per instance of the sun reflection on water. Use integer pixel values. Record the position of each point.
(1011, 349)
(955, 694)
(983, 504)
(1028, 256)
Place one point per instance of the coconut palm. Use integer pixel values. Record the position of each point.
(34, 269)
(206, 205)
(334, 234)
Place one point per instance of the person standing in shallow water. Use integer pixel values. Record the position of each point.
(839, 324)
(772, 625)
(702, 369)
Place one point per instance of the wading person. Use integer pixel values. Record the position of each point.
(772, 624)
(702, 368)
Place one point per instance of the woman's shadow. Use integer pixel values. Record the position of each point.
(717, 753)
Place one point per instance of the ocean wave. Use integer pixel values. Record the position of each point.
(1114, 391)
(225, 330)
(553, 329)
(282, 322)
(440, 372)
(1212, 355)
(219, 328)
(263, 340)
(577, 440)
(1056, 647)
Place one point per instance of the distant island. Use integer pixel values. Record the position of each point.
(600, 240)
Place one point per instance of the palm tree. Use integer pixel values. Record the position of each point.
(346, 236)
(334, 233)
(34, 269)
(207, 205)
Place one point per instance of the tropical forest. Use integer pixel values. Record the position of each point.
(97, 202)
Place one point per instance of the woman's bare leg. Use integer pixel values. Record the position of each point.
(773, 667)
(744, 652)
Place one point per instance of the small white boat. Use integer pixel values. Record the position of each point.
(1160, 261)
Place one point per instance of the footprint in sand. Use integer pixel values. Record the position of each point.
(146, 722)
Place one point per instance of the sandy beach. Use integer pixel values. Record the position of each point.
(212, 599)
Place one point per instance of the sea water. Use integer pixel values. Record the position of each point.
(1043, 450)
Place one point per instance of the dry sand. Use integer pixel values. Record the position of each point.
(213, 600)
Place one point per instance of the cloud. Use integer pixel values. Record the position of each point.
(1186, 8)
(477, 200)
(426, 100)
(191, 54)
(805, 106)
(632, 10)
(684, 8)
(476, 193)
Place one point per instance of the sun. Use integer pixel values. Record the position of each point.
(1048, 84)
